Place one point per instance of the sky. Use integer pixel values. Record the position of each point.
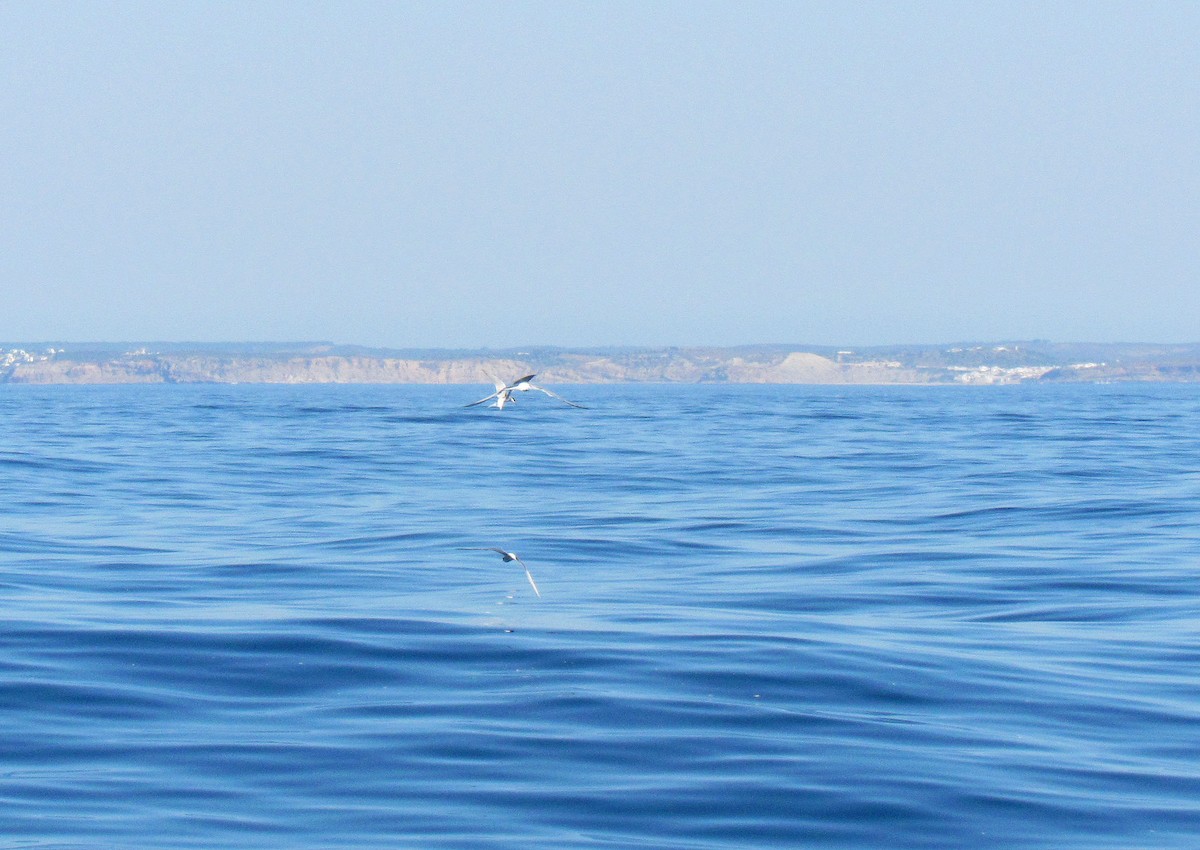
(577, 174)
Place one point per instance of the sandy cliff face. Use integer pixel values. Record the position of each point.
(795, 368)
(265, 370)
(673, 365)
(666, 367)
(68, 372)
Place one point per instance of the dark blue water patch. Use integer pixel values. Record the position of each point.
(43, 545)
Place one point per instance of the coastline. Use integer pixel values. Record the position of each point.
(324, 363)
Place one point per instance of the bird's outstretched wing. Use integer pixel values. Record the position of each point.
(529, 576)
(523, 380)
(482, 549)
(487, 398)
(557, 396)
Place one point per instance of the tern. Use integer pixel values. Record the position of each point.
(524, 384)
(506, 557)
(502, 395)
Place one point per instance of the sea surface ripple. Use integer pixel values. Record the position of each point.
(239, 616)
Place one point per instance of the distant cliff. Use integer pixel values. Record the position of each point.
(325, 363)
(798, 367)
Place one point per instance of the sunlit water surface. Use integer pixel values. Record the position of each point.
(239, 616)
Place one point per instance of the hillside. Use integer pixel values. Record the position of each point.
(993, 363)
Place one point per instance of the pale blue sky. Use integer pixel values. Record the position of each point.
(505, 174)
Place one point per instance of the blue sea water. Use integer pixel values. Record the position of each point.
(239, 616)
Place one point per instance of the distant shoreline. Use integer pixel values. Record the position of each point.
(325, 363)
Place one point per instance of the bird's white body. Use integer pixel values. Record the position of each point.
(503, 395)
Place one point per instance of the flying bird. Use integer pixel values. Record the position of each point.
(506, 557)
(524, 384)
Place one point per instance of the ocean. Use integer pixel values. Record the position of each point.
(770, 616)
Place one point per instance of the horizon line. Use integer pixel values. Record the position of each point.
(313, 343)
